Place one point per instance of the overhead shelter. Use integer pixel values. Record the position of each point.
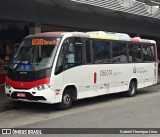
(129, 16)
(19, 18)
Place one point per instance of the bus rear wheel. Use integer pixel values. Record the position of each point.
(67, 100)
(132, 89)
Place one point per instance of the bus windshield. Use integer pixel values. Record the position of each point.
(35, 54)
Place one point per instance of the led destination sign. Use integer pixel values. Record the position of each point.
(42, 41)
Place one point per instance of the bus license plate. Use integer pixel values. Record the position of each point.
(21, 95)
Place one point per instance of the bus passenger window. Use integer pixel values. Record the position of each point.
(119, 50)
(148, 53)
(88, 51)
(101, 51)
(152, 52)
(135, 52)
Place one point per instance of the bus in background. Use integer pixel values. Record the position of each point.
(62, 67)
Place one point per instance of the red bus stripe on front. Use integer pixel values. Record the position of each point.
(27, 85)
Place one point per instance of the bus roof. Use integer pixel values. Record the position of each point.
(96, 35)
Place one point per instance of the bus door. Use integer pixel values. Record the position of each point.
(70, 57)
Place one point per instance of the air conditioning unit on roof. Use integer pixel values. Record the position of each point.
(109, 33)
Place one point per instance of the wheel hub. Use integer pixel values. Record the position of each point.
(131, 89)
(66, 99)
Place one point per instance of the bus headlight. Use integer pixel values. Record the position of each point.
(41, 87)
(7, 86)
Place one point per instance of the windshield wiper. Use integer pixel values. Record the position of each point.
(17, 65)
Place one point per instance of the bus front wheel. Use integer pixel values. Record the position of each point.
(67, 100)
(132, 89)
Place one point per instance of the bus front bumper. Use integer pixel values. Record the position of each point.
(43, 96)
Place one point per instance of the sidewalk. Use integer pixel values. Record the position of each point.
(6, 104)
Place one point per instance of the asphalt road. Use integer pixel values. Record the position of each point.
(111, 111)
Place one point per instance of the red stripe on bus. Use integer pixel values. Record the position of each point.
(95, 77)
(27, 85)
(134, 40)
(155, 72)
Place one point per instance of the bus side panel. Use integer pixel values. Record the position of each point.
(151, 74)
(82, 76)
(143, 72)
(57, 84)
(95, 80)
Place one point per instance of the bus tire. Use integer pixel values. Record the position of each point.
(67, 100)
(132, 89)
